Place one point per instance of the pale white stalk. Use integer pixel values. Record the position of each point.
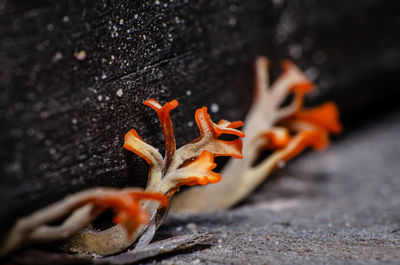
(240, 177)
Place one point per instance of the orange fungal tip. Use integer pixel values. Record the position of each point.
(164, 116)
(238, 146)
(204, 122)
(136, 149)
(325, 116)
(235, 124)
(157, 106)
(152, 103)
(132, 133)
(127, 209)
(220, 130)
(276, 138)
(316, 139)
(287, 65)
(199, 172)
(157, 196)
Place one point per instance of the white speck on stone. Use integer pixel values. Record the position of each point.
(81, 55)
(95, 256)
(121, 21)
(30, 131)
(285, 26)
(112, 57)
(120, 92)
(281, 164)
(191, 226)
(136, 16)
(31, 96)
(219, 241)
(99, 97)
(214, 108)
(44, 114)
(52, 151)
(188, 92)
(179, 228)
(232, 8)
(190, 124)
(196, 261)
(232, 22)
(157, 2)
(40, 135)
(103, 76)
(74, 121)
(312, 73)
(277, 3)
(295, 51)
(65, 19)
(57, 56)
(50, 27)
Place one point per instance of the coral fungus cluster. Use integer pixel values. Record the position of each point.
(286, 131)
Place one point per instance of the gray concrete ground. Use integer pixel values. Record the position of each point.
(341, 206)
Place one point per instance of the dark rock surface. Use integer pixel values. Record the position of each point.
(73, 75)
(341, 206)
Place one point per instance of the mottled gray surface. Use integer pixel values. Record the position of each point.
(341, 206)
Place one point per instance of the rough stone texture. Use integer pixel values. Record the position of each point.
(64, 64)
(341, 206)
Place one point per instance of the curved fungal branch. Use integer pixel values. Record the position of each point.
(77, 211)
(191, 164)
(286, 131)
